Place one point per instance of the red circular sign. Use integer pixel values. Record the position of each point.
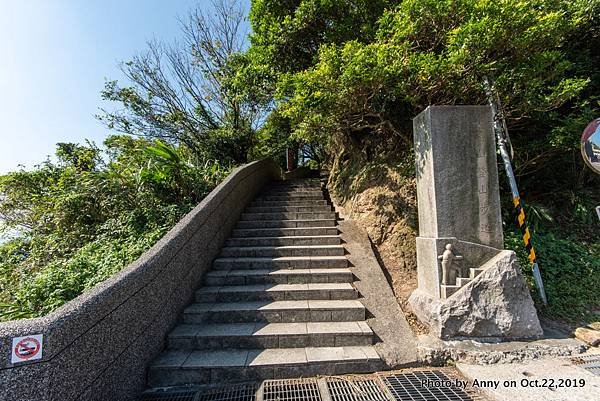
(590, 145)
(27, 348)
(590, 129)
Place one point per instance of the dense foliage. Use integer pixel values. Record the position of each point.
(570, 269)
(341, 80)
(349, 83)
(85, 217)
(427, 52)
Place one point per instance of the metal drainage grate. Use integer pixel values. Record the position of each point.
(590, 363)
(169, 396)
(241, 392)
(356, 390)
(291, 390)
(409, 386)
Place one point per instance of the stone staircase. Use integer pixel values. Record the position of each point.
(447, 290)
(278, 303)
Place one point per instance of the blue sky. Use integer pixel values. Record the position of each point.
(55, 56)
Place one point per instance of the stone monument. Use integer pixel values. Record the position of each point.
(467, 285)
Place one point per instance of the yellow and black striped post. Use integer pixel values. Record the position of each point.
(520, 218)
(499, 128)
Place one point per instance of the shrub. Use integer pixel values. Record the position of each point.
(84, 218)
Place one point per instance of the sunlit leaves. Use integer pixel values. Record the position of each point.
(424, 52)
(83, 219)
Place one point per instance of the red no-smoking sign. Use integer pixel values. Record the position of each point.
(27, 348)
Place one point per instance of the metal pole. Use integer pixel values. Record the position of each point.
(520, 212)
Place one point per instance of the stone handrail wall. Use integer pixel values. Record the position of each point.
(97, 346)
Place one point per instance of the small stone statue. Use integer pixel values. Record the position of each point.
(449, 272)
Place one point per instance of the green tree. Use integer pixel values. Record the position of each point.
(287, 35)
(351, 92)
(364, 92)
(185, 93)
(80, 220)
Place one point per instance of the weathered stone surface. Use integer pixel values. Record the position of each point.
(495, 304)
(429, 273)
(590, 336)
(437, 352)
(457, 174)
(457, 190)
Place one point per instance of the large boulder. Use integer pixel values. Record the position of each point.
(495, 304)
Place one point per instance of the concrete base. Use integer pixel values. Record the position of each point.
(436, 352)
(495, 304)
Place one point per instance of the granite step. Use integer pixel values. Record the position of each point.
(312, 184)
(448, 290)
(265, 203)
(297, 189)
(282, 251)
(269, 335)
(316, 194)
(278, 276)
(292, 190)
(293, 183)
(298, 181)
(292, 197)
(287, 216)
(283, 262)
(279, 302)
(462, 281)
(276, 292)
(474, 272)
(283, 232)
(293, 209)
(179, 368)
(275, 311)
(286, 223)
(284, 241)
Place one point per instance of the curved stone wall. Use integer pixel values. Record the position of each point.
(97, 346)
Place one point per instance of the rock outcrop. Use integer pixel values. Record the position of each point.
(496, 304)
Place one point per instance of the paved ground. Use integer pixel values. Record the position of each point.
(417, 384)
(534, 380)
(481, 382)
